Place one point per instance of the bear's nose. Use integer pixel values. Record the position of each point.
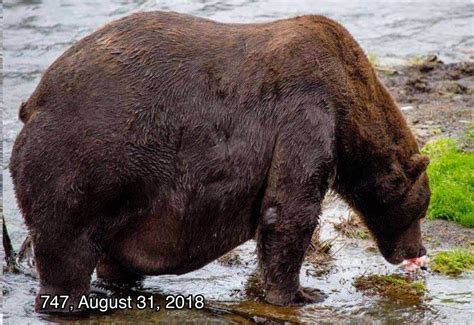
(422, 251)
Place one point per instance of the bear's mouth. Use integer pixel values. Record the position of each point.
(413, 264)
(396, 259)
(398, 255)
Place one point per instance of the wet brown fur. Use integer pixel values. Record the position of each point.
(162, 141)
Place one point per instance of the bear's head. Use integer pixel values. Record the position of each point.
(392, 204)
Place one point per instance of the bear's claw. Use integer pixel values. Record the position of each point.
(309, 296)
(302, 297)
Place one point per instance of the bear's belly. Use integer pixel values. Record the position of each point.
(176, 244)
(212, 205)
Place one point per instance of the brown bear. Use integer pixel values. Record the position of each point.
(162, 141)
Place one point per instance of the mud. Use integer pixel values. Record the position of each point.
(442, 234)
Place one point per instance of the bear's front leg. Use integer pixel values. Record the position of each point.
(301, 171)
(283, 236)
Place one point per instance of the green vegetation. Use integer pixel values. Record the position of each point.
(451, 174)
(352, 227)
(373, 59)
(359, 233)
(470, 131)
(392, 286)
(453, 262)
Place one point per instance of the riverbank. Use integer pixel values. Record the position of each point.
(436, 98)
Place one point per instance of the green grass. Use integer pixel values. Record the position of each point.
(453, 262)
(451, 174)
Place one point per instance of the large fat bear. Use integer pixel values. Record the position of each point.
(162, 141)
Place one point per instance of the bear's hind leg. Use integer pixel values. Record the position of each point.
(65, 261)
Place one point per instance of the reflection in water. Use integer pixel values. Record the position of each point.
(36, 32)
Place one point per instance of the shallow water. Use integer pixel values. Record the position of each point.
(36, 32)
(231, 294)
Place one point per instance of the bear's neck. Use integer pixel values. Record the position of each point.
(372, 134)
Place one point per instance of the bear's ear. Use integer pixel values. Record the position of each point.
(417, 165)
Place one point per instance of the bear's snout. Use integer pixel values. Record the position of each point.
(422, 252)
(406, 245)
(400, 254)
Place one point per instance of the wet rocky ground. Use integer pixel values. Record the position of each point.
(436, 98)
